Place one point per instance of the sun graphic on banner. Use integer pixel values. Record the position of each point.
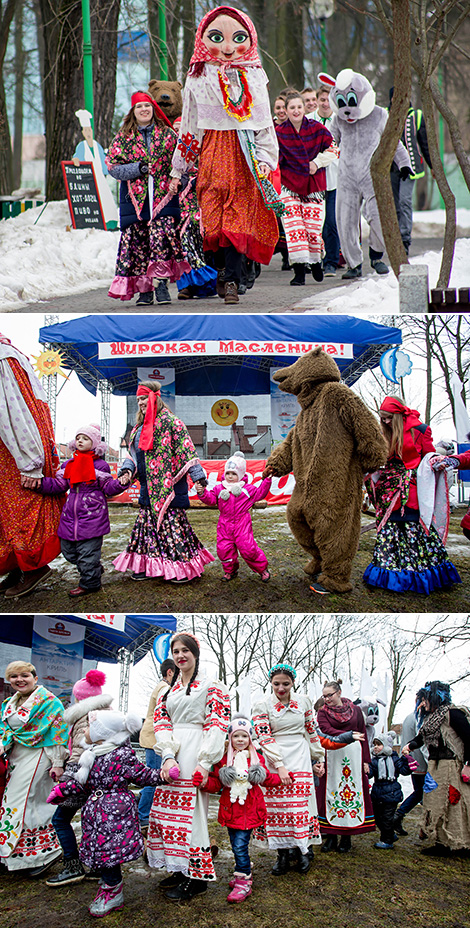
(48, 363)
(224, 412)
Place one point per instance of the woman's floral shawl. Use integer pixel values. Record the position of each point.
(127, 149)
(43, 721)
(392, 485)
(172, 455)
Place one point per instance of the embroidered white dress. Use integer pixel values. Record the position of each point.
(193, 729)
(27, 837)
(288, 737)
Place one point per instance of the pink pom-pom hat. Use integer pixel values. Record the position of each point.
(90, 685)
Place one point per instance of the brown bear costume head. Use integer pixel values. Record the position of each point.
(168, 96)
(311, 370)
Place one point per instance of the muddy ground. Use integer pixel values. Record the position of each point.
(287, 591)
(365, 889)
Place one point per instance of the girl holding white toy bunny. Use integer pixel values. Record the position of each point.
(242, 806)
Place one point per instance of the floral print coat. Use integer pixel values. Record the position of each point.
(110, 824)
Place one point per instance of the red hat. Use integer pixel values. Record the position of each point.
(141, 97)
(410, 455)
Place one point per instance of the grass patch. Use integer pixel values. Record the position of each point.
(366, 888)
(287, 591)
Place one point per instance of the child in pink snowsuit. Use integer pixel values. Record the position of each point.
(234, 498)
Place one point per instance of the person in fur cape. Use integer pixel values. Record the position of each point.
(89, 696)
(334, 442)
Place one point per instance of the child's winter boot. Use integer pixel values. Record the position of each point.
(241, 888)
(107, 899)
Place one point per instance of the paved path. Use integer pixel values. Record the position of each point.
(271, 294)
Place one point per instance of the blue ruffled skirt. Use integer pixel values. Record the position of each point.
(406, 559)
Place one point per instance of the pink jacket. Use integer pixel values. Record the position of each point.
(235, 509)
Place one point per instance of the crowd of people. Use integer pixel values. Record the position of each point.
(47, 508)
(260, 182)
(286, 776)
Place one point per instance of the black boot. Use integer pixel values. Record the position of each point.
(330, 844)
(170, 881)
(303, 862)
(282, 863)
(344, 844)
(72, 872)
(186, 890)
(299, 275)
(397, 824)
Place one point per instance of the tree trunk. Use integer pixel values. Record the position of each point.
(63, 79)
(382, 158)
(172, 18)
(454, 130)
(444, 189)
(189, 31)
(6, 17)
(19, 84)
(104, 25)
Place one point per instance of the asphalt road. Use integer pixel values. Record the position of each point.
(271, 294)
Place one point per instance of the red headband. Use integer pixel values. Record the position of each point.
(141, 97)
(146, 435)
(410, 456)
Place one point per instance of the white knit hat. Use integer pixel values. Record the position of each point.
(110, 727)
(236, 464)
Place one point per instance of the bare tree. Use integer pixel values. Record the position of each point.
(7, 12)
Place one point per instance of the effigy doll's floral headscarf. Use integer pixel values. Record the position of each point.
(201, 54)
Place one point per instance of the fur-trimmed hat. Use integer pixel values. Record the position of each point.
(89, 685)
(111, 729)
(93, 432)
(236, 464)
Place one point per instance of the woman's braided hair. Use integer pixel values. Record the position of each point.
(189, 642)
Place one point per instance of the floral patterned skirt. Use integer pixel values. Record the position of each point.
(147, 250)
(406, 559)
(173, 551)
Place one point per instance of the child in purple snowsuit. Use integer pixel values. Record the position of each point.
(111, 833)
(84, 519)
(234, 498)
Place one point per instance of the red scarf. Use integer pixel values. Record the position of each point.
(81, 468)
(410, 455)
(342, 713)
(148, 428)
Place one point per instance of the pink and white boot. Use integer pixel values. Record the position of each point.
(241, 887)
(107, 899)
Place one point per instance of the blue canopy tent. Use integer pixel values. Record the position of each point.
(102, 643)
(108, 348)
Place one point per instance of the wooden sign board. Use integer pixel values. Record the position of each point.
(82, 193)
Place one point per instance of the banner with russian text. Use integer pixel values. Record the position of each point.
(284, 410)
(211, 348)
(279, 494)
(57, 654)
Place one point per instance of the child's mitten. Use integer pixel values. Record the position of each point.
(256, 774)
(227, 775)
(412, 763)
(174, 773)
(56, 795)
(197, 777)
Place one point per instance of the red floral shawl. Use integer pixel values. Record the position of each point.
(126, 149)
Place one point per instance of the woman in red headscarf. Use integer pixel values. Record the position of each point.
(226, 126)
(140, 158)
(162, 543)
(409, 553)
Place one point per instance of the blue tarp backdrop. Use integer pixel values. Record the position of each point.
(79, 341)
(101, 642)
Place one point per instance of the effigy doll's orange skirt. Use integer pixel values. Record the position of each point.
(232, 208)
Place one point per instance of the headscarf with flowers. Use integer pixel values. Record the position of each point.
(43, 721)
(170, 458)
(202, 54)
(128, 149)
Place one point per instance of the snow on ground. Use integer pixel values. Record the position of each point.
(379, 295)
(40, 261)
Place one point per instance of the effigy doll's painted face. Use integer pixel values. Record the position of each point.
(226, 38)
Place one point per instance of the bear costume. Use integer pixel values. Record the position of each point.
(334, 442)
(168, 96)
